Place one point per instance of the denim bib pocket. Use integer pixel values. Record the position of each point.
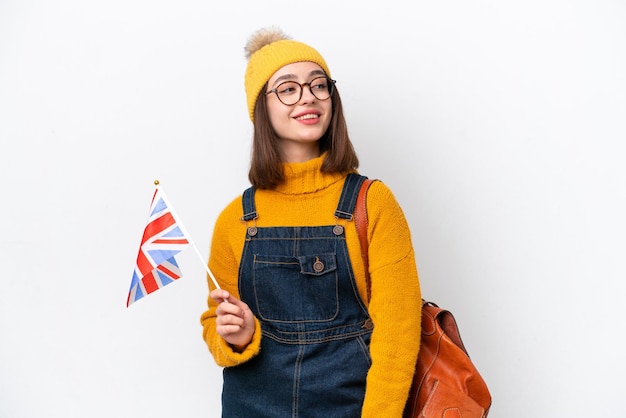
(306, 278)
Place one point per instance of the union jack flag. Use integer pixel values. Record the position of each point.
(163, 238)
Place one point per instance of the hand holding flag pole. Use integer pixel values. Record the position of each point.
(163, 238)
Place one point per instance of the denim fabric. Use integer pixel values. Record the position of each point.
(316, 330)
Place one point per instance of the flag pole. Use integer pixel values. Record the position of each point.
(180, 224)
(208, 270)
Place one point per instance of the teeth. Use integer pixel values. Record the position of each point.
(309, 116)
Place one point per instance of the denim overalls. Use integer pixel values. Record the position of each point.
(314, 354)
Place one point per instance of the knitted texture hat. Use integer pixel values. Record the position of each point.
(267, 51)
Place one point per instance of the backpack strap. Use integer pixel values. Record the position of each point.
(360, 220)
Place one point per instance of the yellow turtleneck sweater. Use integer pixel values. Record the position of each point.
(309, 197)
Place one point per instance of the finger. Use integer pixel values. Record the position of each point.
(226, 330)
(226, 320)
(227, 308)
(219, 295)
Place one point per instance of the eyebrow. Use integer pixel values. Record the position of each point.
(285, 77)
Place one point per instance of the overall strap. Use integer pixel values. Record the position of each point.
(344, 210)
(350, 191)
(249, 208)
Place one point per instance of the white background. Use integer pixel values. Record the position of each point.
(499, 125)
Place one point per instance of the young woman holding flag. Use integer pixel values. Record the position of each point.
(294, 325)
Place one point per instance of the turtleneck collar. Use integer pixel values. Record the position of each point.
(306, 177)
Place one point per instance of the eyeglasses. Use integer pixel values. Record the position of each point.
(290, 92)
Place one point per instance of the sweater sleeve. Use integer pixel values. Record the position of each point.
(225, 255)
(395, 306)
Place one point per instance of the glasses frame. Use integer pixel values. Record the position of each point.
(331, 86)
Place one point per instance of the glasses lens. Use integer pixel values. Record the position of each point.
(288, 92)
(321, 88)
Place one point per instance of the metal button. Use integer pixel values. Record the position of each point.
(368, 324)
(252, 231)
(338, 230)
(318, 265)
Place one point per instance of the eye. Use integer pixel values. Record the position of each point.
(320, 84)
(287, 88)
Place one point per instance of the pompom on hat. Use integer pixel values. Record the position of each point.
(267, 51)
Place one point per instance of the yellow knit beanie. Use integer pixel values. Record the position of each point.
(267, 51)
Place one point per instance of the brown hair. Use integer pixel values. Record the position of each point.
(266, 166)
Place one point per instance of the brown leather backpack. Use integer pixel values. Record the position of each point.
(446, 384)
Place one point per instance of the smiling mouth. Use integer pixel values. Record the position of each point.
(308, 116)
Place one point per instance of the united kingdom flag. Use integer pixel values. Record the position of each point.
(163, 238)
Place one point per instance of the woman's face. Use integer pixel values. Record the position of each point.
(301, 125)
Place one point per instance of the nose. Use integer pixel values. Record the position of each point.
(307, 94)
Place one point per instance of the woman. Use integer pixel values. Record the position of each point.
(293, 325)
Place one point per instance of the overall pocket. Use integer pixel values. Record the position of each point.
(296, 289)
